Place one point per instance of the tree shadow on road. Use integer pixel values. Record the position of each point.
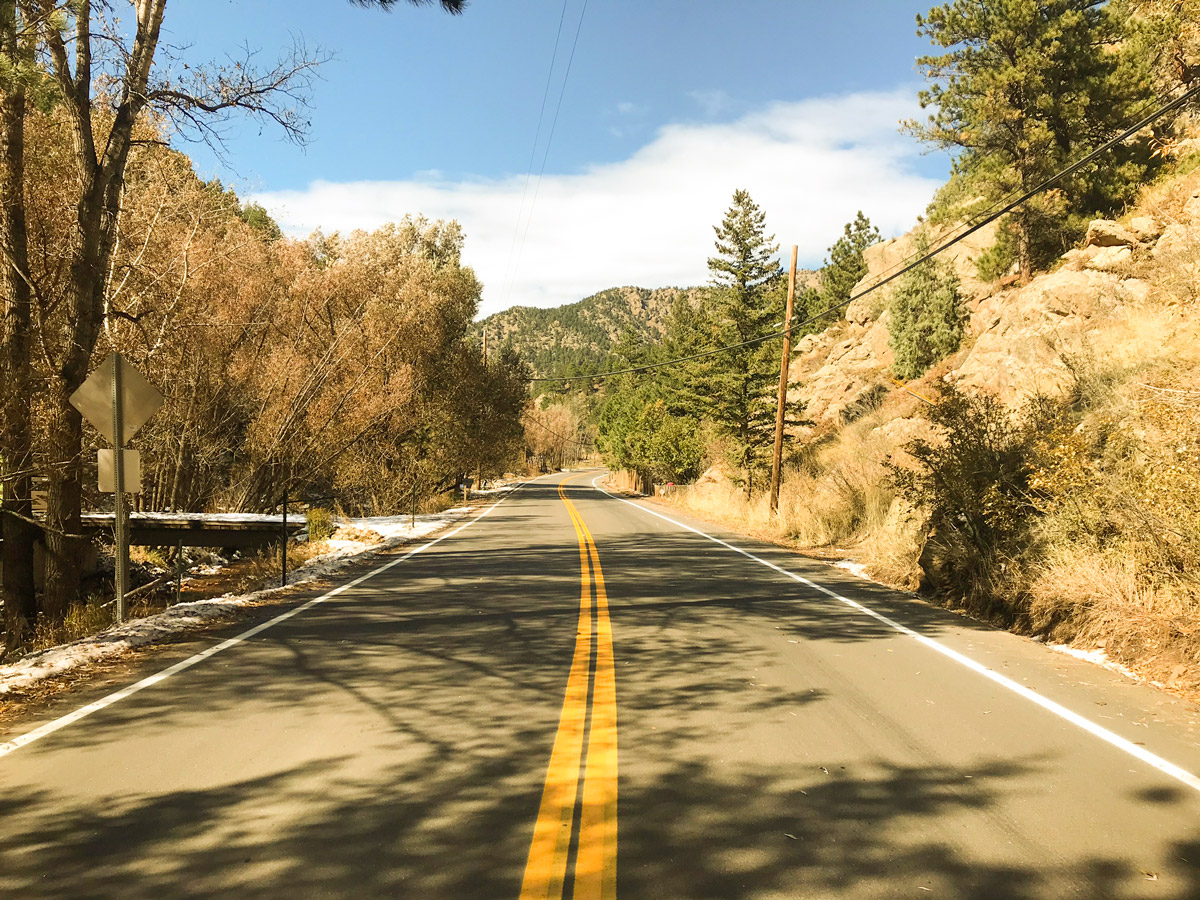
(456, 679)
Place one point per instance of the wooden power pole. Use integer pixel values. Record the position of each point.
(479, 467)
(777, 458)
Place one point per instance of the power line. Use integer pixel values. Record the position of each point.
(537, 186)
(547, 428)
(920, 260)
(533, 152)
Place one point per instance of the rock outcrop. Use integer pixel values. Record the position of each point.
(888, 257)
(1017, 337)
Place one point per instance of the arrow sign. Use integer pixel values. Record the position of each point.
(94, 399)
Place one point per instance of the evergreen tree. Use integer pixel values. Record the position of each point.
(845, 266)
(927, 316)
(647, 420)
(1025, 87)
(739, 382)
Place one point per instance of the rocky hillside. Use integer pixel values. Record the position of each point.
(1023, 340)
(1104, 548)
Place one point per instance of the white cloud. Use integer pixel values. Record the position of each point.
(647, 220)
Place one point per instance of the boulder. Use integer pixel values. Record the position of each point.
(1105, 258)
(1191, 209)
(1136, 290)
(1178, 238)
(809, 343)
(1107, 233)
(863, 310)
(851, 370)
(1018, 351)
(1147, 228)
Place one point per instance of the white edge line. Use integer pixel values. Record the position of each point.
(1162, 765)
(117, 696)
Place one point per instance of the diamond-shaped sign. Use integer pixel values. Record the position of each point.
(94, 399)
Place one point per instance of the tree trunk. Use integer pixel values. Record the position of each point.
(1024, 251)
(101, 178)
(65, 426)
(16, 383)
(64, 545)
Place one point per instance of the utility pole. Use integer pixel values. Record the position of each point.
(479, 467)
(777, 458)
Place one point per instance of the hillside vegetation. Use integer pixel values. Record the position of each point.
(338, 369)
(577, 338)
(1013, 427)
(1046, 475)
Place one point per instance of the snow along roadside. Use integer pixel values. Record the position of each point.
(118, 639)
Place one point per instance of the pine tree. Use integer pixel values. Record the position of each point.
(739, 382)
(1026, 86)
(927, 316)
(845, 267)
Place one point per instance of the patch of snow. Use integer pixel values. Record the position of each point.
(233, 518)
(399, 527)
(118, 639)
(137, 632)
(856, 569)
(1096, 656)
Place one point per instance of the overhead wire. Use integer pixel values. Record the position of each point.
(547, 428)
(533, 154)
(977, 224)
(537, 185)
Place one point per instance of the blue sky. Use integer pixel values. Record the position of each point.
(669, 106)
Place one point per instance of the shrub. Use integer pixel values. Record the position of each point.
(320, 524)
(999, 259)
(974, 484)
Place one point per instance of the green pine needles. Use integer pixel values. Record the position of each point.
(927, 316)
(1023, 88)
(739, 381)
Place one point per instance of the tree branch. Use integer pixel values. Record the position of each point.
(198, 100)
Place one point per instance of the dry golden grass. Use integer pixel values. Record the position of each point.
(1117, 560)
(1117, 565)
(81, 620)
(1115, 601)
(836, 499)
(265, 567)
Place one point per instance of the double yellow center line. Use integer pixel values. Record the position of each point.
(575, 836)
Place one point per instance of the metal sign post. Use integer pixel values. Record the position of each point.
(283, 559)
(122, 527)
(118, 400)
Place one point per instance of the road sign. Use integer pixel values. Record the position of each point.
(117, 399)
(107, 471)
(139, 399)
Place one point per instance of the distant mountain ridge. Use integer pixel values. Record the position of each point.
(577, 338)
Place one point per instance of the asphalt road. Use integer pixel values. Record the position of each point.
(575, 698)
